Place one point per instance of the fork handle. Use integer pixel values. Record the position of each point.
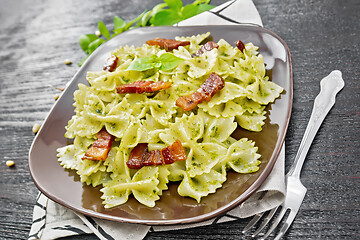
(330, 86)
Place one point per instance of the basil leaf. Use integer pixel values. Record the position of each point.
(165, 17)
(204, 7)
(103, 30)
(175, 5)
(169, 61)
(145, 19)
(158, 8)
(118, 23)
(144, 63)
(189, 11)
(92, 37)
(95, 44)
(165, 62)
(85, 40)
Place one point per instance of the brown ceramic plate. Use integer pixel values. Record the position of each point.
(64, 187)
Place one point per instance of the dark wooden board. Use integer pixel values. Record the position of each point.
(37, 36)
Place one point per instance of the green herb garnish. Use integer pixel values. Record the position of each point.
(167, 13)
(165, 62)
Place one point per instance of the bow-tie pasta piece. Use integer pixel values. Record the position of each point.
(103, 81)
(188, 129)
(113, 196)
(118, 119)
(163, 179)
(88, 122)
(150, 129)
(182, 86)
(203, 157)
(251, 121)
(70, 155)
(201, 185)
(177, 171)
(132, 134)
(264, 91)
(219, 129)
(239, 106)
(138, 104)
(194, 41)
(114, 192)
(82, 126)
(116, 162)
(94, 107)
(203, 64)
(80, 96)
(162, 106)
(144, 185)
(242, 156)
(227, 52)
(160, 111)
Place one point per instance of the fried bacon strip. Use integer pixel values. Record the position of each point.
(153, 158)
(167, 44)
(207, 47)
(207, 90)
(137, 155)
(240, 45)
(142, 86)
(111, 63)
(140, 155)
(100, 148)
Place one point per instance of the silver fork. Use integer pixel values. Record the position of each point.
(295, 190)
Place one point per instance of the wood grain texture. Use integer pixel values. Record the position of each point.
(37, 36)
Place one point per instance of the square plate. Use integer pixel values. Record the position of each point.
(63, 186)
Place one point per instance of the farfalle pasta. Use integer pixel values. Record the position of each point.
(155, 119)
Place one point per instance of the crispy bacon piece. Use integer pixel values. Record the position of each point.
(137, 155)
(177, 151)
(100, 148)
(207, 47)
(167, 44)
(207, 90)
(140, 155)
(153, 158)
(167, 156)
(190, 101)
(240, 45)
(111, 63)
(142, 86)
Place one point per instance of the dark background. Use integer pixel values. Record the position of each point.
(37, 36)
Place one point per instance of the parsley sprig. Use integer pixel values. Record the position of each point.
(167, 13)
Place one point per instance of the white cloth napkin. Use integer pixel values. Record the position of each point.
(51, 220)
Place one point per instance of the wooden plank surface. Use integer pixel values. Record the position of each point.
(37, 36)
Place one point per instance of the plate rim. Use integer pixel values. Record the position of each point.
(203, 217)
